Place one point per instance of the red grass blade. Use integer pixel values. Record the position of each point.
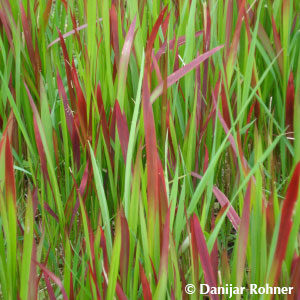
(93, 275)
(28, 36)
(104, 250)
(228, 25)
(285, 224)
(156, 68)
(122, 130)
(199, 241)
(153, 35)
(206, 159)
(165, 246)
(124, 60)
(151, 156)
(174, 77)
(295, 279)
(38, 138)
(172, 294)
(225, 108)
(69, 33)
(50, 290)
(154, 271)
(150, 137)
(223, 200)
(162, 192)
(65, 4)
(5, 23)
(112, 129)
(54, 278)
(145, 284)
(120, 292)
(81, 104)
(41, 150)
(82, 188)
(47, 11)
(33, 278)
(289, 106)
(50, 211)
(165, 24)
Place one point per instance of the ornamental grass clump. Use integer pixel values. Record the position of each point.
(149, 149)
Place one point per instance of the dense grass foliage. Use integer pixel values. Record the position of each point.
(146, 145)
